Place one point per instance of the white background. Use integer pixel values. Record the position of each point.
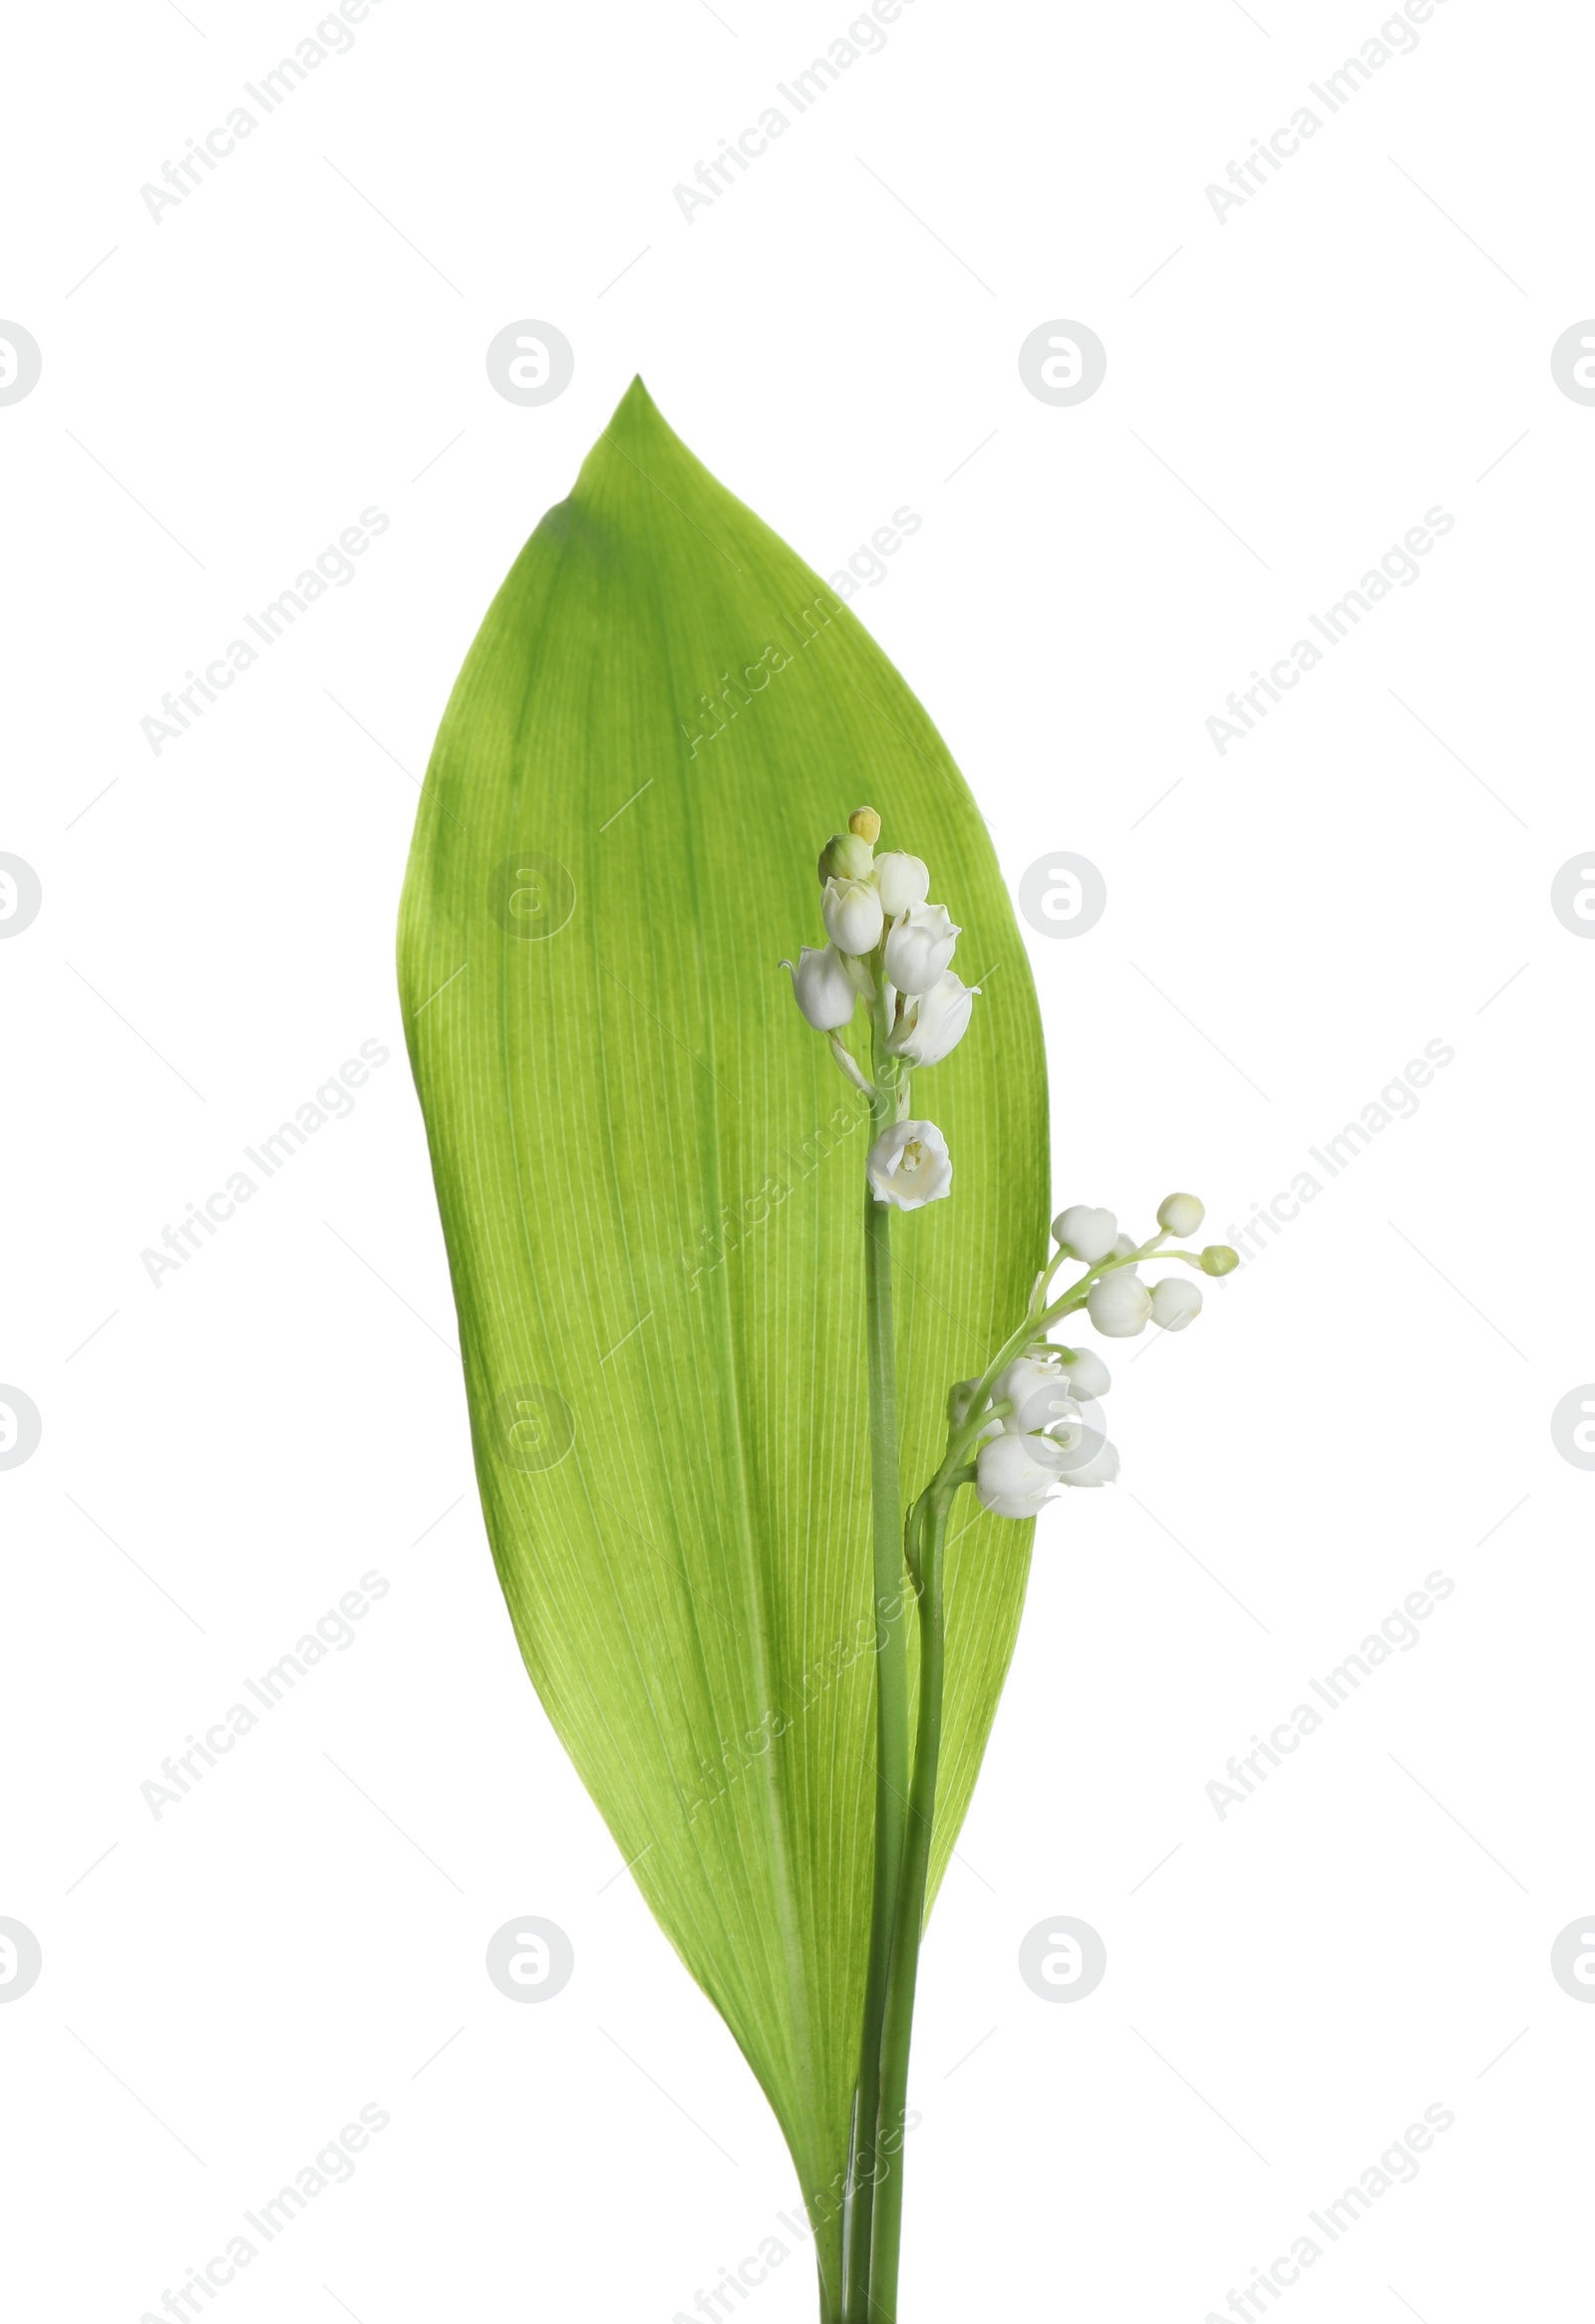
(303, 337)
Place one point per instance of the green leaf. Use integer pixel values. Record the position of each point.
(650, 1176)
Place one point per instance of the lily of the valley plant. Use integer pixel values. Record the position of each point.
(714, 1444)
(1019, 1429)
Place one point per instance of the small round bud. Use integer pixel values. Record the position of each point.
(1125, 1247)
(844, 856)
(1218, 1258)
(1176, 1301)
(1182, 1214)
(864, 825)
(1085, 1233)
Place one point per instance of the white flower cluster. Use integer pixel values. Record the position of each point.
(1022, 1428)
(1025, 1427)
(1038, 1436)
(891, 949)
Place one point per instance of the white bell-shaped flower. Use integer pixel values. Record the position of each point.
(1014, 1475)
(933, 1023)
(1086, 1234)
(1085, 1371)
(909, 1165)
(902, 881)
(1176, 1301)
(1039, 1393)
(920, 947)
(1119, 1305)
(853, 914)
(1070, 1428)
(822, 988)
(1100, 1469)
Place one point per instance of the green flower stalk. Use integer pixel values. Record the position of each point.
(1026, 1423)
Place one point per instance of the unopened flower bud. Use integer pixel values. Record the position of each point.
(1086, 1234)
(1119, 1305)
(844, 856)
(1182, 1214)
(852, 915)
(864, 825)
(1125, 1247)
(902, 880)
(1218, 1258)
(1176, 1301)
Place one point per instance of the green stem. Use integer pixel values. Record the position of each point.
(872, 2231)
(891, 1729)
(928, 1527)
